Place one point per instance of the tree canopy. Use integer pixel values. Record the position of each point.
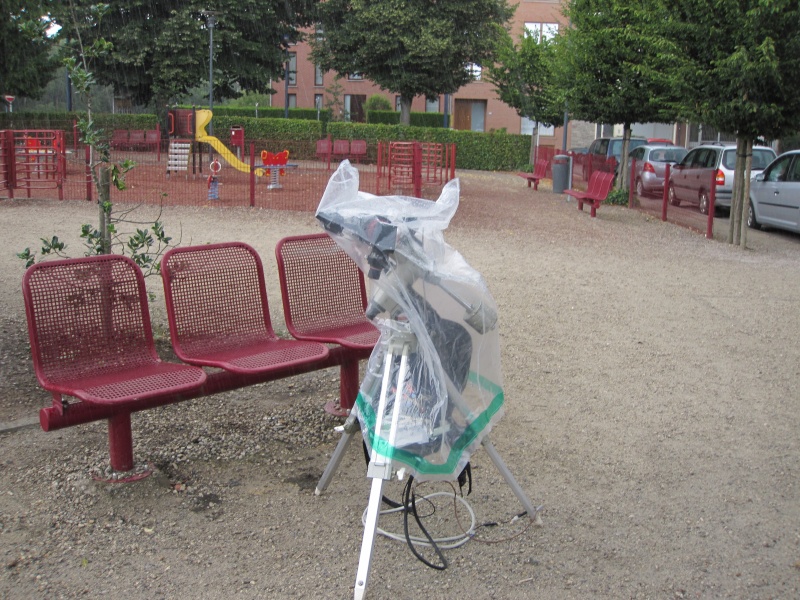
(523, 76)
(159, 50)
(741, 77)
(617, 63)
(27, 60)
(410, 48)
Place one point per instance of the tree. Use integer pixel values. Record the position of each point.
(27, 54)
(616, 64)
(523, 76)
(409, 48)
(161, 49)
(741, 77)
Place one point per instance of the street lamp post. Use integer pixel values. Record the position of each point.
(211, 21)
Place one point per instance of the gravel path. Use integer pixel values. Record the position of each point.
(651, 382)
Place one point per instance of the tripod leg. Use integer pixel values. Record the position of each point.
(367, 542)
(380, 468)
(350, 428)
(512, 483)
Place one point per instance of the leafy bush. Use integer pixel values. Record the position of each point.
(392, 117)
(377, 102)
(617, 196)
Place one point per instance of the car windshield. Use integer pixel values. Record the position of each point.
(667, 155)
(761, 158)
(616, 146)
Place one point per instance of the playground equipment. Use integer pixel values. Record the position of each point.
(203, 118)
(275, 165)
(32, 159)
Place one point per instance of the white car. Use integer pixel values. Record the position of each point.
(775, 194)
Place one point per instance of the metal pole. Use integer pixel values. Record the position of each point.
(211, 23)
(286, 89)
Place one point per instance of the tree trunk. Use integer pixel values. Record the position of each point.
(737, 190)
(103, 203)
(622, 168)
(746, 194)
(534, 143)
(405, 110)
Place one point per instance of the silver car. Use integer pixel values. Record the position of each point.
(775, 194)
(651, 166)
(690, 179)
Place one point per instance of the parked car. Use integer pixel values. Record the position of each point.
(577, 154)
(690, 179)
(604, 154)
(651, 165)
(775, 194)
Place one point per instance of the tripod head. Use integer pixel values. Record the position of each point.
(400, 256)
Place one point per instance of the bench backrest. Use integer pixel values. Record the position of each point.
(323, 147)
(540, 170)
(216, 298)
(358, 147)
(87, 316)
(137, 135)
(341, 147)
(604, 186)
(323, 290)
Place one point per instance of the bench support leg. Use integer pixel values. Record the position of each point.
(120, 442)
(348, 389)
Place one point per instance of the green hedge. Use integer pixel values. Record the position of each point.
(64, 120)
(480, 151)
(474, 150)
(267, 112)
(392, 117)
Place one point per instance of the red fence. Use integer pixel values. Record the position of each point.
(240, 179)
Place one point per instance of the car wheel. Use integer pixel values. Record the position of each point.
(751, 217)
(639, 188)
(704, 202)
(673, 199)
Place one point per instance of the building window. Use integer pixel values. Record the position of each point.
(292, 68)
(474, 70)
(355, 76)
(541, 31)
(319, 76)
(318, 100)
(292, 100)
(432, 105)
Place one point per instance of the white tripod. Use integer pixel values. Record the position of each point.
(380, 467)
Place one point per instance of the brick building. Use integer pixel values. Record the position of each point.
(474, 107)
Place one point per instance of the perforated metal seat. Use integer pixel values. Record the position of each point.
(332, 309)
(90, 333)
(218, 313)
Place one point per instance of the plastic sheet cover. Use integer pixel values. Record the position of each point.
(432, 307)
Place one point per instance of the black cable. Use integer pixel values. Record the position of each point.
(410, 506)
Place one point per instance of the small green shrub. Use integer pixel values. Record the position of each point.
(617, 196)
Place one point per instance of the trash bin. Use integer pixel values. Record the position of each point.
(562, 173)
(237, 140)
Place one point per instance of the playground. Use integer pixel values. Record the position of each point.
(190, 167)
(650, 379)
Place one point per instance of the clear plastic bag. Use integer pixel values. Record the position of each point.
(430, 305)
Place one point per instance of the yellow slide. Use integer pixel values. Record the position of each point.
(201, 135)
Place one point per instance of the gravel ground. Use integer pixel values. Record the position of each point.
(651, 384)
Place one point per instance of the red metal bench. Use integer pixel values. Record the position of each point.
(324, 150)
(318, 282)
(136, 139)
(341, 149)
(218, 312)
(119, 139)
(539, 172)
(358, 150)
(91, 339)
(599, 186)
